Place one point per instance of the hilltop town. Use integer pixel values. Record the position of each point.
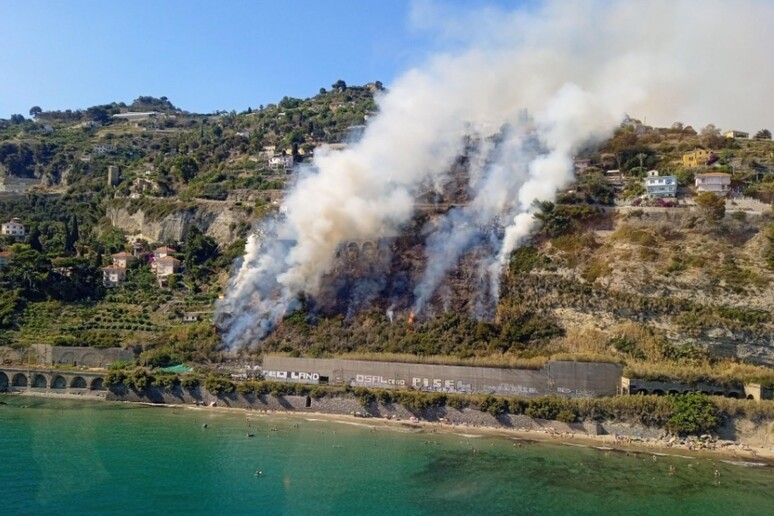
(121, 224)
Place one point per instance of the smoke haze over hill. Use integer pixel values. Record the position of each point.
(577, 67)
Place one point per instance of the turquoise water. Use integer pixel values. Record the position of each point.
(77, 457)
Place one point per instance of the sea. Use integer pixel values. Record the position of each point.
(66, 457)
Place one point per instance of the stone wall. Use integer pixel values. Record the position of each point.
(45, 354)
(560, 377)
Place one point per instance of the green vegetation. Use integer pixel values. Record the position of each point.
(690, 413)
(667, 287)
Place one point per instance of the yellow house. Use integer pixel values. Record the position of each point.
(697, 158)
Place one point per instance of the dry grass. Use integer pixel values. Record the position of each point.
(582, 340)
(725, 372)
(504, 360)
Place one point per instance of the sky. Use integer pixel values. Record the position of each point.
(203, 55)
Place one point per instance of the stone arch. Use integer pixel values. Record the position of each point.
(39, 381)
(68, 357)
(641, 392)
(59, 382)
(3, 382)
(750, 397)
(90, 360)
(19, 380)
(718, 393)
(733, 394)
(658, 392)
(97, 384)
(674, 392)
(705, 393)
(78, 383)
(353, 250)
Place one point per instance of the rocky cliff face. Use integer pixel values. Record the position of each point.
(220, 220)
(687, 281)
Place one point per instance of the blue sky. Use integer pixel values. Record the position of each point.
(203, 55)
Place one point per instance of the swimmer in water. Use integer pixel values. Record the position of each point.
(258, 473)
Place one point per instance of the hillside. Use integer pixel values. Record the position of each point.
(667, 289)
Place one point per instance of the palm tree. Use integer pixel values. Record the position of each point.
(641, 156)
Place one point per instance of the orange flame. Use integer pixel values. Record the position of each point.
(411, 318)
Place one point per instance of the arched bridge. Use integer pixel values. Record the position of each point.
(16, 379)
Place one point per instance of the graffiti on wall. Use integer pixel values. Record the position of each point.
(440, 385)
(510, 388)
(372, 380)
(300, 376)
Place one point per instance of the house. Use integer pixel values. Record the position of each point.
(5, 258)
(122, 259)
(13, 228)
(660, 186)
(281, 161)
(190, 317)
(103, 148)
(137, 116)
(697, 158)
(161, 252)
(581, 164)
(112, 275)
(166, 267)
(115, 274)
(736, 134)
(615, 179)
(715, 182)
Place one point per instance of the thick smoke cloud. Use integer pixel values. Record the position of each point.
(578, 67)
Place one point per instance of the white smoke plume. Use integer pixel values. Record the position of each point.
(578, 67)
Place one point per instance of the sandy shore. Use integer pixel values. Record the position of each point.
(734, 452)
(546, 431)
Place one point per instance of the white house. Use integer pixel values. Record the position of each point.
(660, 186)
(122, 259)
(112, 275)
(137, 116)
(281, 161)
(162, 251)
(715, 182)
(103, 148)
(13, 228)
(166, 267)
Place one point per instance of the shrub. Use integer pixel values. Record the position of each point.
(694, 413)
(120, 364)
(457, 402)
(219, 385)
(139, 379)
(545, 408)
(114, 378)
(364, 396)
(190, 383)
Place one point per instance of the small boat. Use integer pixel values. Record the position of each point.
(250, 434)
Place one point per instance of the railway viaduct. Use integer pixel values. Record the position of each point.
(17, 379)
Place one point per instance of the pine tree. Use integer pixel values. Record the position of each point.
(34, 239)
(74, 235)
